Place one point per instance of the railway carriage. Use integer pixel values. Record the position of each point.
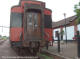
(30, 24)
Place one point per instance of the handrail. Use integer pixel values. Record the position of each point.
(47, 35)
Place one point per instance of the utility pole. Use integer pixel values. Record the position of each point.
(3, 27)
(65, 27)
(58, 37)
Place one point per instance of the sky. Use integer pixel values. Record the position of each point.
(58, 7)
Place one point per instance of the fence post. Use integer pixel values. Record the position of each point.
(58, 36)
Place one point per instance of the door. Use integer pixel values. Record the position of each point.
(32, 30)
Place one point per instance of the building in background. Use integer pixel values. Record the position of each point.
(71, 27)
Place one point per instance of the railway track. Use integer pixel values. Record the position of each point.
(26, 53)
(1, 41)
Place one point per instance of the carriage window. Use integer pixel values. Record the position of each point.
(29, 19)
(32, 20)
(16, 20)
(35, 20)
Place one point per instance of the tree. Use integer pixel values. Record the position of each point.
(4, 37)
(77, 10)
(0, 36)
(61, 34)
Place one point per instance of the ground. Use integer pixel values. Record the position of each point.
(68, 50)
(6, 50)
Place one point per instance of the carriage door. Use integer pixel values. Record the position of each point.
(33, 30)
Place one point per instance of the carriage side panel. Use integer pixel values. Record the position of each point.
(16, 24)
(47, 25)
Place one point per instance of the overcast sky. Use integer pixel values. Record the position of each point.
(58, 7)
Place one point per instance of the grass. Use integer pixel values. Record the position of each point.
(45, 56)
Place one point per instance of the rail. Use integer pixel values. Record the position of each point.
(1, 41)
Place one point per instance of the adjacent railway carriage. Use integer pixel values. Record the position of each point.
(30, 24)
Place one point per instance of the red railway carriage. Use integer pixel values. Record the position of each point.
(30, 24)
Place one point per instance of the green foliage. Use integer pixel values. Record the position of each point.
(0, 36)
(77, 10)
(4, 37)
(79, 3)
(75, 6)
(46, 56)
(62, 32)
